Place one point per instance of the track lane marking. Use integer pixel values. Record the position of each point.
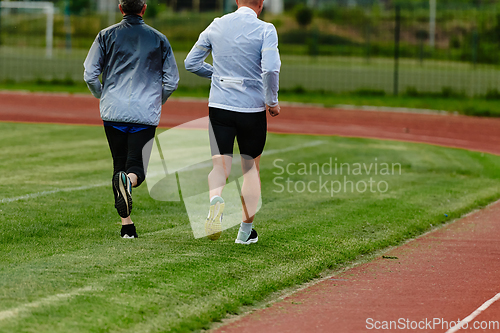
(88, 187)
(57, 190)
(49, 300)
(474, 314)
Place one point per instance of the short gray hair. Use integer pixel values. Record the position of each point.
(132, 6)
(250, 2)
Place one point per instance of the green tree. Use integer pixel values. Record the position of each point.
(303, 15)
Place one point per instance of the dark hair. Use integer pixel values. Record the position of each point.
(132, 6)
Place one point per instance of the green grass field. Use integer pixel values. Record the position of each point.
(64, 268)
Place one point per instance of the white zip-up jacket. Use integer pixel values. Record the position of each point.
(246, 62)
(138, 69)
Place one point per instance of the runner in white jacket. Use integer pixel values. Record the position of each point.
(245, 81)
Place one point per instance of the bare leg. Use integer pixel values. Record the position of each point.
(133, 179)
(218, 176)
(250, 190)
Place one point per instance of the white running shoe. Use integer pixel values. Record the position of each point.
(213, 224)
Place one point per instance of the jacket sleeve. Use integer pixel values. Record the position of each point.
(271, 65)
(170, 79)
(195, 60)
(93, 68)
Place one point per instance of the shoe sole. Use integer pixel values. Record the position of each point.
(213, 227)
(128, 237)
(124, 199)
(248, 242)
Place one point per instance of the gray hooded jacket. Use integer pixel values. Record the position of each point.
(138, 69)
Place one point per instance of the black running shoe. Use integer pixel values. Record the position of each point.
(244, 238)
(123, 194)
(128, 231)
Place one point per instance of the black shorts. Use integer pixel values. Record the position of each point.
(249, 128)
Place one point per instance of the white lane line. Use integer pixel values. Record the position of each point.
(265, 153)
(57, 190)
(44, 301)
(87, 187)
(284, 150)
(474, 314)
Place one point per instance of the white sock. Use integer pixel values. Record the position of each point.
(246, 227)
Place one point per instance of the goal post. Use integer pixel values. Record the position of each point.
(48, 9)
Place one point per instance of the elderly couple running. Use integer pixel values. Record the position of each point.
(139, 73)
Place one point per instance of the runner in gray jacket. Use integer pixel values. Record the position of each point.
(139, 73)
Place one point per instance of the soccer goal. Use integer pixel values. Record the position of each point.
(47, 8)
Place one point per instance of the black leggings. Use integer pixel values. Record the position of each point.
(127, 150)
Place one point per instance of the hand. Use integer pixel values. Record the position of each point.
(273, 110)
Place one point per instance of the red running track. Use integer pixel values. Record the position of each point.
(472, 133)
(431, 281)
(439, 278)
